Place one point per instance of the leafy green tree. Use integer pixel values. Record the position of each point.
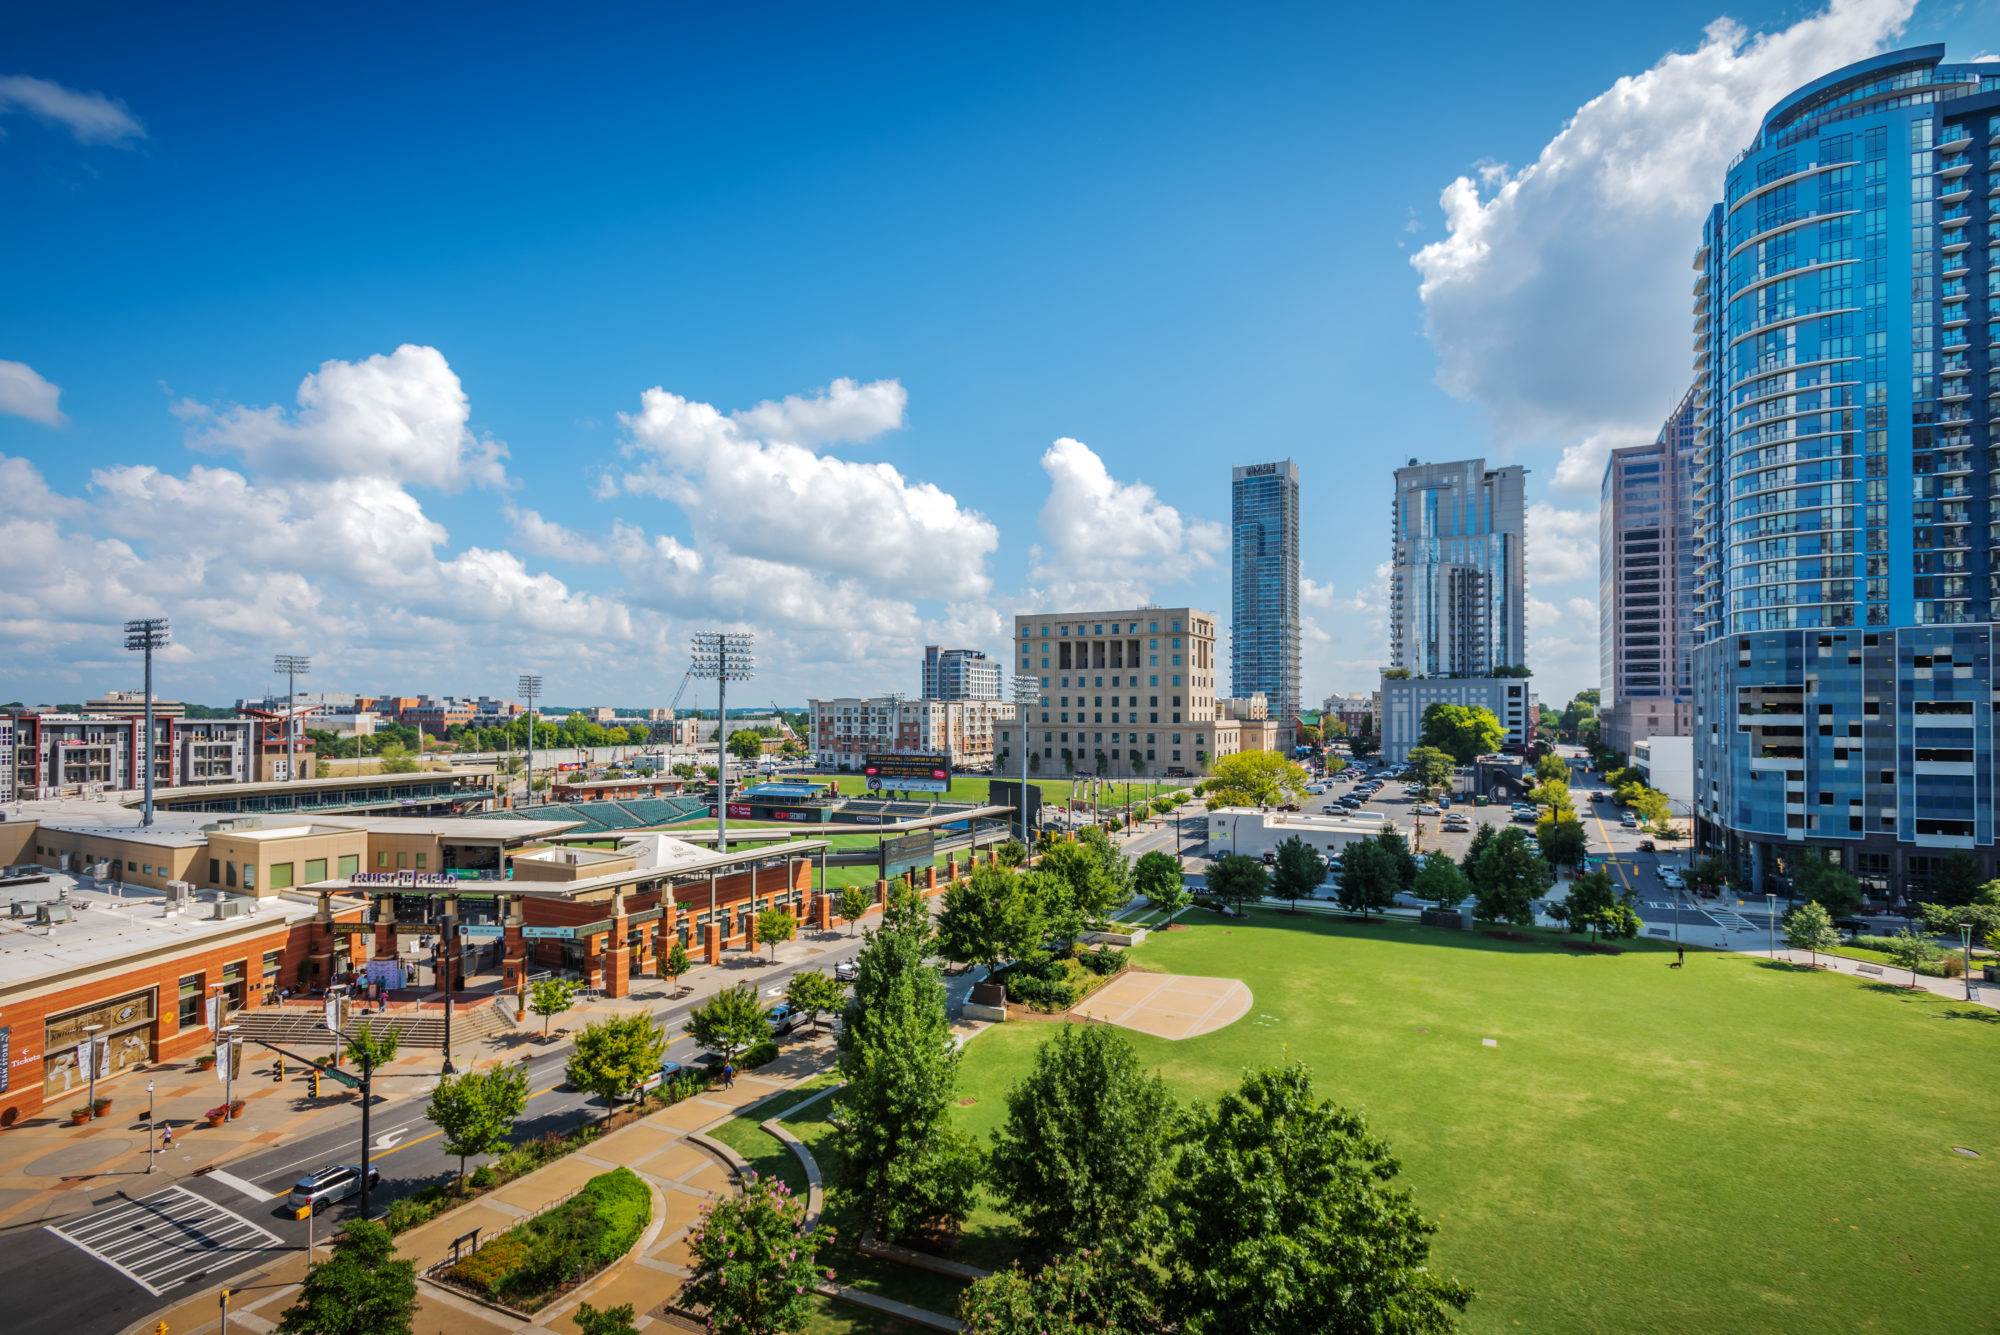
(373, 1049)
(1649, 804)
(744, 744)
(1282, 1219)
(1433, 768)
(815, 992)
(1299, 870)
(476, 1110)
(1809, 927)
(1482, 839)
(902, 1165)
(775, 926)
(1709, 871)
(1157, 876)
(613, 1056)
(608, 1321)
(395, 760)
(854, 901)
(1982, 914)
(1011, 853)
(988, 917)
(1956, 879)
(1594, 904)
(1440, 882)
(1084, 1293)
(1552, 767)
(1256, 779)
(675, 963)
(1402, 864)
(1824, 882)
(1084, 889)
(729, 1022)
(1463, 732)
(1508, 877)
(1237, 880)
(1078, 1159)
(549, 998)
(754, 1263)
(1364, 879)
(362, 1289)
(1912, 950)
(1562, 839)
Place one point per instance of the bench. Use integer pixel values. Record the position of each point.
(1875, 969)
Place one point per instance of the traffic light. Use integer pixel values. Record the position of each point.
(278, 1069)
(315, 1082)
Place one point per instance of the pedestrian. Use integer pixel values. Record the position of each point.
(728, 1077)
(1680, 954)
(166, 1136)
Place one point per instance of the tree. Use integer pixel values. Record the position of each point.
(1553, 766)
(1552, 794)
(1508, 877)
(1010, 853)
(1482, 839)
(613, 1056)
(1078, 1159)
(815, 992)
(1809, 927)
(1255, 779)
(754, 1264)
(1562, 839)
(395, 760)
(1440, 882)
(1825, 883)
(1594, 904)
(1282, 1218)
(549, 998)
(1463, 732)
(1308, 734)
(1299, 870)
(1084, 1293)
(1912, 951)
(362, 1289)
(1649, 804)
(1237, 880)
(1956, 879)
(371, 1049)
(1433, 768)
(1085, 888)
(609, 1321)
(775, 926)
(1709, 871)
(476, 1110)
(744, 744)
(988, 917)
(730, 1021)
(1982, 915)
(854, 901)
(1364, 877)
(902, 1165)
(1402, 864)
(675, 963)
(1157, 876)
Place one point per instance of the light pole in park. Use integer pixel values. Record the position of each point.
(1771, 922)
(292, 666)
(1027, 690)
(144, 636)
(1965, 940)
(530, 687)
(723, 657)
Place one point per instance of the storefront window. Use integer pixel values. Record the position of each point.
(191, 993)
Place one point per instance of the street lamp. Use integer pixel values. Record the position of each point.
(1027, 690)
(1771, 922)
(292, 667)
(1965, 940)
(151, 1122)
(144, 636)
(446, 939)
(90, 1046)
(723, 657)
(530, 686)
(366, 1056)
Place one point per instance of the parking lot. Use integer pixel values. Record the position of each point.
(168, 1238)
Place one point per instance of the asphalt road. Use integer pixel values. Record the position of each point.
(178, 1233)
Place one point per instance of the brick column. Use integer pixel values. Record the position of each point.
(664, 933)
(385, 927)
(593, 960)
(750, 931)
(618, 959)
(826, 913)
(882, 892)
(805, 908)
(951, 868)
(514, 953)
(930, 879)
(711, 946)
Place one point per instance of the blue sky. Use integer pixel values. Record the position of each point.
(334, 337)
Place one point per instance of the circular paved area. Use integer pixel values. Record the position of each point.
(1167, 1005)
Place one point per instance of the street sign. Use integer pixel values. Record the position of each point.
(339, 1076)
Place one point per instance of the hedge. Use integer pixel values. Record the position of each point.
(530, 1262)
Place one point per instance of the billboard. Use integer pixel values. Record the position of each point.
(909, 852)
(915, 773)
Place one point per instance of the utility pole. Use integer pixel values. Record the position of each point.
(723, 656)
(144, 636)
(90, 1046)
(365, 1083)
(446, 940)
(150, 1123)
(293, 666)
(530, 686)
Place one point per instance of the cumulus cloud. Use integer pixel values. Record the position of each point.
(845, 410)
(23, 393)
(1112, 542)
(545, 537)
(1562, 544)
(1315, 594)
(92, 118)
(1580, 471)
(1557, 298)
(400, 415)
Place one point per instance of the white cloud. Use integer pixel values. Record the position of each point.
(845, 411)
(1580, 471)
(1558, 300)
(1540, 614)
(23, 393)
(92, 118)
(545, 537)
(400, 416)
(1562, 544)
(1110, 543)
(1315, 594)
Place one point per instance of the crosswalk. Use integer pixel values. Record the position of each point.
(165, 1239)
(1730, 919)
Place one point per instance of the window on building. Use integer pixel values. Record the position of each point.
(402, 861)
(349, 864)
(281, 876)
(191, 994)
(315, 870)
(229, 874)
(214, 870)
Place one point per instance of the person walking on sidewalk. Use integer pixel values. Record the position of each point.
(166, 1136)
(728, 1077)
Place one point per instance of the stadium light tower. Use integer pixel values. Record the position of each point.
(293, 666)
(530, 686)
(1027, 690)
(723, 657)
(144, 636)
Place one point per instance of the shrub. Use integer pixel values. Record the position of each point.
(484, 1178)
(489, 1267)
(1951, 966)
(1103, 960)
(406, 1214)
(530, 1261)
(1863, 941)
(760, 1053)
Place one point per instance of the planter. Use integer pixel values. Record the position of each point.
(520, 1017)
(101, 1107)
(204, 1063)
(216, 1116)
(78, 1116)
(236, 1108)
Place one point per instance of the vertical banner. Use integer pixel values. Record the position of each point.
(215, 1013)
(333, 1013)
(222, 1053)
(103, 1058)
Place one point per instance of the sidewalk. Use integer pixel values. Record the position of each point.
(1951, 989)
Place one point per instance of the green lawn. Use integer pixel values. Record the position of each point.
(1736, 1145)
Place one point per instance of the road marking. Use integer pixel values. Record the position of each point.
(162, 1239)
(250, 1189)
(386, 1141)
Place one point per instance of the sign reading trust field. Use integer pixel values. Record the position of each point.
(916, 773)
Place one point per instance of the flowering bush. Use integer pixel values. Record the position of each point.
(753, 1261)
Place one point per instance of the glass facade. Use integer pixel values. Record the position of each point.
(1458, 589)
(1264, 586)
(1845, 476)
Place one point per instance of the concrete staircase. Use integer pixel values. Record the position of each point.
(300, 1029)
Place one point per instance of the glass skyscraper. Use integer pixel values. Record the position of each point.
(1264, 587)
(1458, 601)
(1846, 535)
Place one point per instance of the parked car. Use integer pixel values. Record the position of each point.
(335, 1182)
(1670, 878)
(1426, 809)
(784, 1018)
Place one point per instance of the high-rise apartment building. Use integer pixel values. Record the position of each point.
(1264, 587)
(1130, 692)
(1845, 567)
(1645, 559)
(960, 674)
(846, 730)
(1458, 597)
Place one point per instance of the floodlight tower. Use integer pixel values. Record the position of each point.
(144, 636)
(293, 666)
(530, 686)
(1027, 690)
(723, 657)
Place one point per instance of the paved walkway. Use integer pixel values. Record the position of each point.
(1951, 989)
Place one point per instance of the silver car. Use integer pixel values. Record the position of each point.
(335, 1182)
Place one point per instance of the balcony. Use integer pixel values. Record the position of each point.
(1954, 393)
(1956, 244)
(1959, 195)
(1956, 145)
(1955, 167)
(1964, 267)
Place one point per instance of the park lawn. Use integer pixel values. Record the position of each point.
(1736, 1145)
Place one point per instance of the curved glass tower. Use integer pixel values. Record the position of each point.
(1847, 533)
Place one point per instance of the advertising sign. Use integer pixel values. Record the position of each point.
(740, 809)
(908, 852)
(548, 933)
(916, 773)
